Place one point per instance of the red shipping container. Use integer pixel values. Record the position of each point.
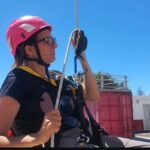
(114, 112)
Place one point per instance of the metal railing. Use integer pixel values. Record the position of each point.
(112, 82)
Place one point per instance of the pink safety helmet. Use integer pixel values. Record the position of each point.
(22, 29)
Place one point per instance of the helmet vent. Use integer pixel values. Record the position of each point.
(27, 27)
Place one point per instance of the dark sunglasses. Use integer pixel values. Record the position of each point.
(50, 41)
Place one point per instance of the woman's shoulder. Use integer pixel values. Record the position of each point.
(14, 73)
(14, 76)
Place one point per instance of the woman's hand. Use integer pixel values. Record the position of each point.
(79, 42)
(51, 124)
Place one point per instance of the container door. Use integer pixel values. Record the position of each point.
(127, 116)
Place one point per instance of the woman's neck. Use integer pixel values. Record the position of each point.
(37, 68)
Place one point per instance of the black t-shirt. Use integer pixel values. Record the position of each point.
(37, 96)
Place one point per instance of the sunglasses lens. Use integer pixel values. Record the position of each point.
(51, 41)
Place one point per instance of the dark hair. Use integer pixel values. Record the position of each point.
(20, 52)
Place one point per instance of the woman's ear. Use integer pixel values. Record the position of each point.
(29, 50)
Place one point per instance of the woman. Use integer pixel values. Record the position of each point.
(28, 92)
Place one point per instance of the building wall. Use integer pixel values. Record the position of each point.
(140, 112)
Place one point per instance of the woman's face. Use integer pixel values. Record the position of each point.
(47, 45)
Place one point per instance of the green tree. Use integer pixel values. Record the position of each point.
(140, 91)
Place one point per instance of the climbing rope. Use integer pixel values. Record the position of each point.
(64, 66)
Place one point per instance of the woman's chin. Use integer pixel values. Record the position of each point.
(52, 60)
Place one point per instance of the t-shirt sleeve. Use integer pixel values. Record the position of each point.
(12, 87)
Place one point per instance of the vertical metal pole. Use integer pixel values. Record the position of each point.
(102, 82)
(125, 82)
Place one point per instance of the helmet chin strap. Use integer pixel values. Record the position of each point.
(39, 61)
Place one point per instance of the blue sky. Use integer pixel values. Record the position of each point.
(118, 34)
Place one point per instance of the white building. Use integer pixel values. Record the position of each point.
(141, 110)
